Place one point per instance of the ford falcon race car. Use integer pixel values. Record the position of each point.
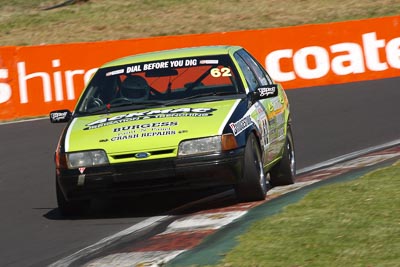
(179, 119)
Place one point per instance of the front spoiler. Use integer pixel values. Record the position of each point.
(151, 176)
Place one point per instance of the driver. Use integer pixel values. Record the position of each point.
(135, 87)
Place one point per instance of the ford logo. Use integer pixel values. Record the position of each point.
(142, 155)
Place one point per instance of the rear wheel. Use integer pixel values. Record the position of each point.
(69, 208)
(284, 172)
(253, 185)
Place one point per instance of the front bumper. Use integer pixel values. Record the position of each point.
(150, 176)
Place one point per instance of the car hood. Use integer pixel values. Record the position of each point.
(148, 130)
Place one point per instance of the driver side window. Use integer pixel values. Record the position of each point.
(259, 71)
(248, 74)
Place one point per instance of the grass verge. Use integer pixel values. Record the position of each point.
(355, 223)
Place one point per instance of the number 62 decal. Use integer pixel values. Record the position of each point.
(218, 72)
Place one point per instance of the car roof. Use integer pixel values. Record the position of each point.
(174, 53)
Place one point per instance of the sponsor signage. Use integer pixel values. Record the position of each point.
(37, 79)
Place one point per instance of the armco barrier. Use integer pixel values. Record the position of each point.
(37, 79)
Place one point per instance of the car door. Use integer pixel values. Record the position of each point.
(274, 109)
(258, 108)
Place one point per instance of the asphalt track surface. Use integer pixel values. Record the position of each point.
(328, 122)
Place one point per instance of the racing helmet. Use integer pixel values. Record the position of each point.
(135, 87)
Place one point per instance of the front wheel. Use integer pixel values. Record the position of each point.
(284, 172)
(253, 185)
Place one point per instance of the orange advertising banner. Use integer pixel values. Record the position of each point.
(37, 79)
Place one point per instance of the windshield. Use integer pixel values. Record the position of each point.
(167, 82)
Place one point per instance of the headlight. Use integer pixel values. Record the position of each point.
(200, 146)
(86, 159)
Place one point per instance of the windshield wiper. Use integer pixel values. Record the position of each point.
(92, 111)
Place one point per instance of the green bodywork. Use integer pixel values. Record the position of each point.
(158, 131)
(149, 130)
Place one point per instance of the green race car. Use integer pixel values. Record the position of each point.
(178, 119)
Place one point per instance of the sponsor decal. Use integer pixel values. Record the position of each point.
(280, 119)
(124, 137)
(144, 130)
(276, 104)
(161, 65)
(260, 121)
(158, 133)
(135, 116)
(141, 135)
(115, 72)
(145, 126)
(58, 116)
(260, 110)
(267, 91)
(241, 125)
(209, 61)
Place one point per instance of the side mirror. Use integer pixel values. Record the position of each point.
(58, 116)
(265, 92)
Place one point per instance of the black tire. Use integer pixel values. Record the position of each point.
(284, 172)
(253, 185)
(69, 208)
